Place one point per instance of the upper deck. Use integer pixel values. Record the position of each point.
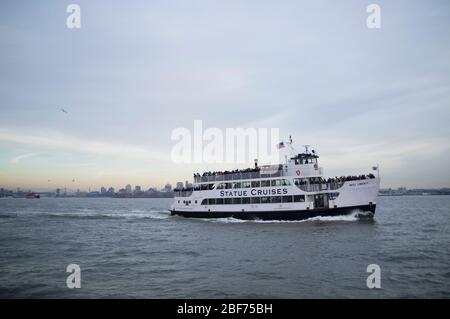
(303, 164)
(249, 173)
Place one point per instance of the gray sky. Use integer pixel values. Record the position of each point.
(137, 70)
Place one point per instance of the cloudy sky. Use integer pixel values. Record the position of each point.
(137, 70)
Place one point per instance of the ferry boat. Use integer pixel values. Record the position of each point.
(31, 195)
(295, 190)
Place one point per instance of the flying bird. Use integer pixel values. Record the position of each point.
(63, 110)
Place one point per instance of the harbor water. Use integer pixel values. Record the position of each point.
(133, 248)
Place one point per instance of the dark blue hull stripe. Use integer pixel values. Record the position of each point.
(278, 215)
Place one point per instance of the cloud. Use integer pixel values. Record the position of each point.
(17, 159)
(56, 141)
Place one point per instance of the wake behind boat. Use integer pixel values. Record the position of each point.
(295, 190)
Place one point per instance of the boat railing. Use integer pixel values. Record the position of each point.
(237, 176)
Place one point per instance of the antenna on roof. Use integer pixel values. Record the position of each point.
(306, 148)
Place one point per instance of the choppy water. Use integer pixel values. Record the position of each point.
(134, 248)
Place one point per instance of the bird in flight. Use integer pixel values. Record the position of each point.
(63, 110)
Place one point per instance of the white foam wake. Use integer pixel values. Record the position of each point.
(340, 218)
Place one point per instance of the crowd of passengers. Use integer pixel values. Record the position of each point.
(221, 173)
(331, 180)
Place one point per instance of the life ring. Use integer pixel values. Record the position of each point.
(297, 172)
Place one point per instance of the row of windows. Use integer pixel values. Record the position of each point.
(234, 185)
(253, 200)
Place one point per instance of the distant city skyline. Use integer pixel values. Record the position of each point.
(96, 106)
(101, 189)
(127, 192)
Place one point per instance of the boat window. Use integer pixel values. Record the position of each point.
(246, 184)
(277, 182)
(299, 198)
(228, 185)
(300, 181)
(237, 185)
(255, 184)
(265, 183)
(210, 186)
(275, 199)
(221, 186)
(253, 200)
(285, 182)
(204, 187)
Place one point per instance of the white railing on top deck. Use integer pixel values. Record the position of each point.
(239, 176)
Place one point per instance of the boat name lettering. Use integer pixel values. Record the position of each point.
(254, 192)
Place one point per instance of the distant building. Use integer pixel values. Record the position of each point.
(128, 188)
(167, 188)
(137, 188)
(111, 190)
(103, 190)
(179, 185)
